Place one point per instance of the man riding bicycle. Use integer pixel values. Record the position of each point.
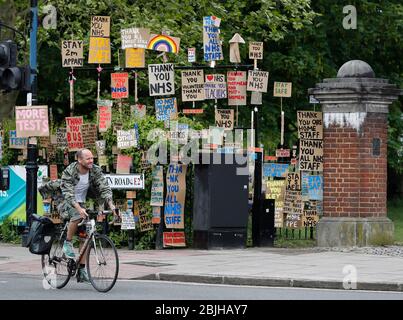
(80, 179)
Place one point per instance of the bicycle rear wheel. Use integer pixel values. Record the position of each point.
(102, 263)
(54, 266)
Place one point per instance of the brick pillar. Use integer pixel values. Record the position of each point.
(355, 107)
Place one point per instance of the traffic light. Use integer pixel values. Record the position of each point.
(12, 77)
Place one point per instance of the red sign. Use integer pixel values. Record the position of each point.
(74, 137)
(270, 158)
(283, 153)
(192, 111)
(120, 85)
(174, 239)
(53, 172)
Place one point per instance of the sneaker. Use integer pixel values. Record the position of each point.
(68, 250)
(82, 276)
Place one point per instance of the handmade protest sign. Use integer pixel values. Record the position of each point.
(164, 43)
(72, 53)
(100, 26)
(192, 85)
(275, 189)
(165, 109)
(293, 209)
(256, 98)
(124, 163)
(224, 118)
(104, 115)
(257, 81)
(234, 55)
(174, 239)
(236, 88)
(175, 197)
(311, 155)
(15, 142)
(100, 50)
(74, 136)
(161, 79)
(191, 54)
(293, 181)
(53, 172)
(157, 187)
(100, 146)
(120, 85)
(126, 139)
(135, 37)
(315, 187)
(61, 137)
(89, 133)
(215, 86)
(282, 89)
(310, 125)
(138, 110)
(32, 121)
(135, 58)
(211, 39)
(310, 216)
(156, 219)
(145, 222)
(128, 222)
(278, 170)
(256, 50)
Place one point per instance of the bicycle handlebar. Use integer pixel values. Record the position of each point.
(95, 213)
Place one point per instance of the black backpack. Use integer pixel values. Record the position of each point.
(41, 235)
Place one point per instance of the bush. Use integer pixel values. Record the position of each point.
(9, 232)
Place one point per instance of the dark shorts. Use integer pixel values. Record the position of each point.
(67, 212)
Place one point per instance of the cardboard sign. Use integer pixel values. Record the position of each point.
(89, 133)
(256, 98)
(211, 39)
(236, 88)
(282, 89)
(257, 81)
(164, 43)
(310, 125)
(174, 208)
(157, 187)
(192, 111)
(161, 79)
(293, 181)
(32, 121)
(156, 219)
(135, 58)
(138, 110)
(224, 118)
(131, 194)
(174, 239)
(192, 85)
(72, 53)
(61, 137)
(145, 222)
(74, 136)
(215, 86)
(311, 155)
(104, 115)
(283, 153)
(165, 109)
(293, 207)
(310, 216)
(278, 170)
(100, 50)
(53, 172)
(15, 142)
(256, 50)
(100, 26)
(191, 54)
(124, 163)
(135, 37)
(100, 146)
(120, 85)
(126, 139)
(125, 181)
(275, 189)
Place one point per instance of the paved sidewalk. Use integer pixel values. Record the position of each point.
(376, 269)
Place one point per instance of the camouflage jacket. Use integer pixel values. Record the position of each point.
(51, 189)
(98, 188)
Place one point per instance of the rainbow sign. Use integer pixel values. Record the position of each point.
(163, 43)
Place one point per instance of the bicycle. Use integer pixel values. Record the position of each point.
(101, 254)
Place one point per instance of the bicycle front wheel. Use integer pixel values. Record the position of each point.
(54, 266)
(102, 263)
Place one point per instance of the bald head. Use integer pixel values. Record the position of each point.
(85, 160)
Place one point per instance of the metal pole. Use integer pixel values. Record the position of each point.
(32, 165)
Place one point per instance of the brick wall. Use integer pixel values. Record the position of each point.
(354, 179)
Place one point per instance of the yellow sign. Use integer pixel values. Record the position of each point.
(135, 58)
(100, 50)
